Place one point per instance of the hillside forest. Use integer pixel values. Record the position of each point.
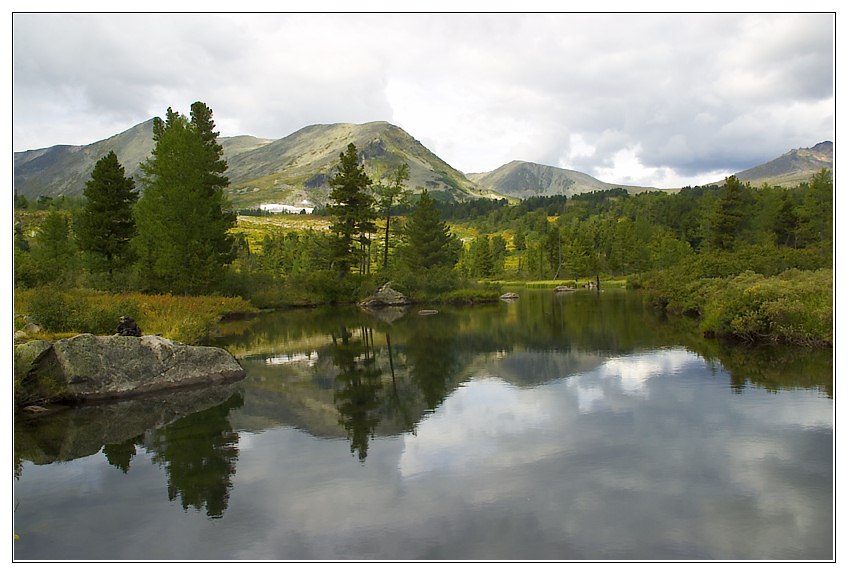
(752, 264)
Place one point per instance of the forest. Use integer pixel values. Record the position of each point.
(754, 264)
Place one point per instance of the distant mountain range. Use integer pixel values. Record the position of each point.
(297, 168)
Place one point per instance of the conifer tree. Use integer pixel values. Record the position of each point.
(428, 241)
(728, 217)
(816, 212)
(53, 255)
(106, 224)
(183, 221)
(352, 210)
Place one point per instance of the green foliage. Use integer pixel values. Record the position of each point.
(426, 285)
(478, 262)
(183, 241)
(352, 210)
(106, 224)
(51, 258)
(387, 197)
(794, 307)
(729, 215)
(77, 311)
(428, 242)
(816, 212)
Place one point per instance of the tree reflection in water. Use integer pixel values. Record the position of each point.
(360, 397)
(199, 453)
(394, 383)
(120, 455)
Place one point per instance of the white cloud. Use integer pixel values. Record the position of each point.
(675, 96)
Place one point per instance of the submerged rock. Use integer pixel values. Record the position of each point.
(88, 367)
(509, 296)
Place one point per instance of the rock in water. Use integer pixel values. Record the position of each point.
(386, 296)
(88, 367)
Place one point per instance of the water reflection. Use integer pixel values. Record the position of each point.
(383, 376)
(187, 432)
(199, 453)
(360, 396)
(575, 427)
(399, 384)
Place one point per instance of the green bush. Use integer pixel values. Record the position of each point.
(51, 309)
(794, 307)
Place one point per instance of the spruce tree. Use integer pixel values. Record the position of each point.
(429, 242)
(728, 217)
(183, 221)
(106, 224)
(352, 210)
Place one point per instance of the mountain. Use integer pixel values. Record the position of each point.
(522, 180)
(297, 167)
(791, 168)
(65, 169)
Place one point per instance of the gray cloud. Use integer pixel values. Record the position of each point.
(635, 98)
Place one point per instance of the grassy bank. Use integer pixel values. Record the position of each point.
(792, 307)
(187, 319)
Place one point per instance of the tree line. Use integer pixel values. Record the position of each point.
(613, 233)
(172, 232)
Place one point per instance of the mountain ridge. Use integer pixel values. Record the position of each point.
(298, 167)
(522, 179)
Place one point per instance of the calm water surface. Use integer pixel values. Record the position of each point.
(571, 426)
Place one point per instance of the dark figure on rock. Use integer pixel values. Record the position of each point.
(128, 327)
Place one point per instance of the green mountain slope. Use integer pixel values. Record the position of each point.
(299, 166)
(287, 170)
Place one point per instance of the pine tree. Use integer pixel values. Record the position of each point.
(728, 217)
(352, 210)
(106, 224)
(816, 214)
(183, 242)
(428, 241)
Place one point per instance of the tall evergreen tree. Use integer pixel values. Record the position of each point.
(728, 217)
(352, 210)
(106, 224)
(816, 214)
(183, 221)
(428, 241)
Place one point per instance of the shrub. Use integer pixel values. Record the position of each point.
(794, 307)
(51, 309)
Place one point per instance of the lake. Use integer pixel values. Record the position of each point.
(574, 426)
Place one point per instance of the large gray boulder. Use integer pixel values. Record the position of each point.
(386, 296)
(88, 367)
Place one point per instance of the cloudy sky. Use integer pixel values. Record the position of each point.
(653, 98)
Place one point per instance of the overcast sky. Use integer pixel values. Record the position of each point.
(652, 99)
